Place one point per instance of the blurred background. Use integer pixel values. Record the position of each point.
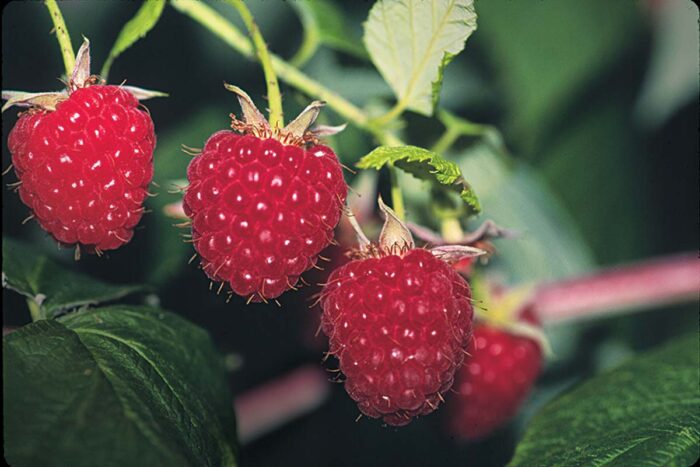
(597, 104)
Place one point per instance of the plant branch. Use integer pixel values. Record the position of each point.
(267, 407)
(618, 290)
(223, 28)
(35, 310)
(396, 195)
(274, 98)
(62, 35)
(448, 138)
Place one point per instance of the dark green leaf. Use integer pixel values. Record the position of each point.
(54, 288)
(425, 165)
(545, 53)
(115, 386)
(411, 41)
(646, 412)
(136, 28)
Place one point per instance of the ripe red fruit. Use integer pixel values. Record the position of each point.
(85, 167)
(262, 209)
(494, 381)
(399, 326)
(84, 158)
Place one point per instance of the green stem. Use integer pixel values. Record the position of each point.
(223, 28)
(274, 98)
(308, 47)
(446, 141)
(62, 35)
(396, 195)
(35, 310)
(451, 230)
(391, 115)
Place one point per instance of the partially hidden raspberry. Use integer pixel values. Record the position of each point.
(84, 168)
(399, 324)
(494, 381)
(262, 207)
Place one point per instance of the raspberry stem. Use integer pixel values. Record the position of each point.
(62, 35)
(618, 290)
(35, 310)
(274, 97)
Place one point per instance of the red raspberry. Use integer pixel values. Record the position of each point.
(399, 326)
(261, 210)
(85, 167)
(493, 382)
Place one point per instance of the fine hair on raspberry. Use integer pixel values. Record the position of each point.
(261, 210)
(84, 167)
(399, 325)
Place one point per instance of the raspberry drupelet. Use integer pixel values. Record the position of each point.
(399, 321)
(84, 158)
(263, 204)
(495, 379)
(85, 167)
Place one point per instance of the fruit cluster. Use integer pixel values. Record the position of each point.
(263, 203)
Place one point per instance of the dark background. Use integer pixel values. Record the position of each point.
(597, 102)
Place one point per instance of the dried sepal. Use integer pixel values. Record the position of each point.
(42, 100)
(81, 71)
(143, 94)
(253, 120)
(327, 130)
(395, 236)
(80, 78)
(298, 132)
(487, 230)
(299, 127)
(455, 253)
(363, 243)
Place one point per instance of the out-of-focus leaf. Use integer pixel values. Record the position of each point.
(646, 412)
(357, 84)
(425, 165)
(411, 41)
(547, 245)
(324, 24)
(546, 52)
(599, 168)
(136, 28)
(672, 78)
(116, 386)
(51, 286)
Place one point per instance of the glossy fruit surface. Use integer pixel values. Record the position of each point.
(85, 167)
(399, 326)
(262, 211)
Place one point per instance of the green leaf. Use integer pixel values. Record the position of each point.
(425, 165)
(411, 41)
(115, 386)
(51, 286)
(136, 28)
(324, 24)
(545, 54)
(548, 245)
(646, 412)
